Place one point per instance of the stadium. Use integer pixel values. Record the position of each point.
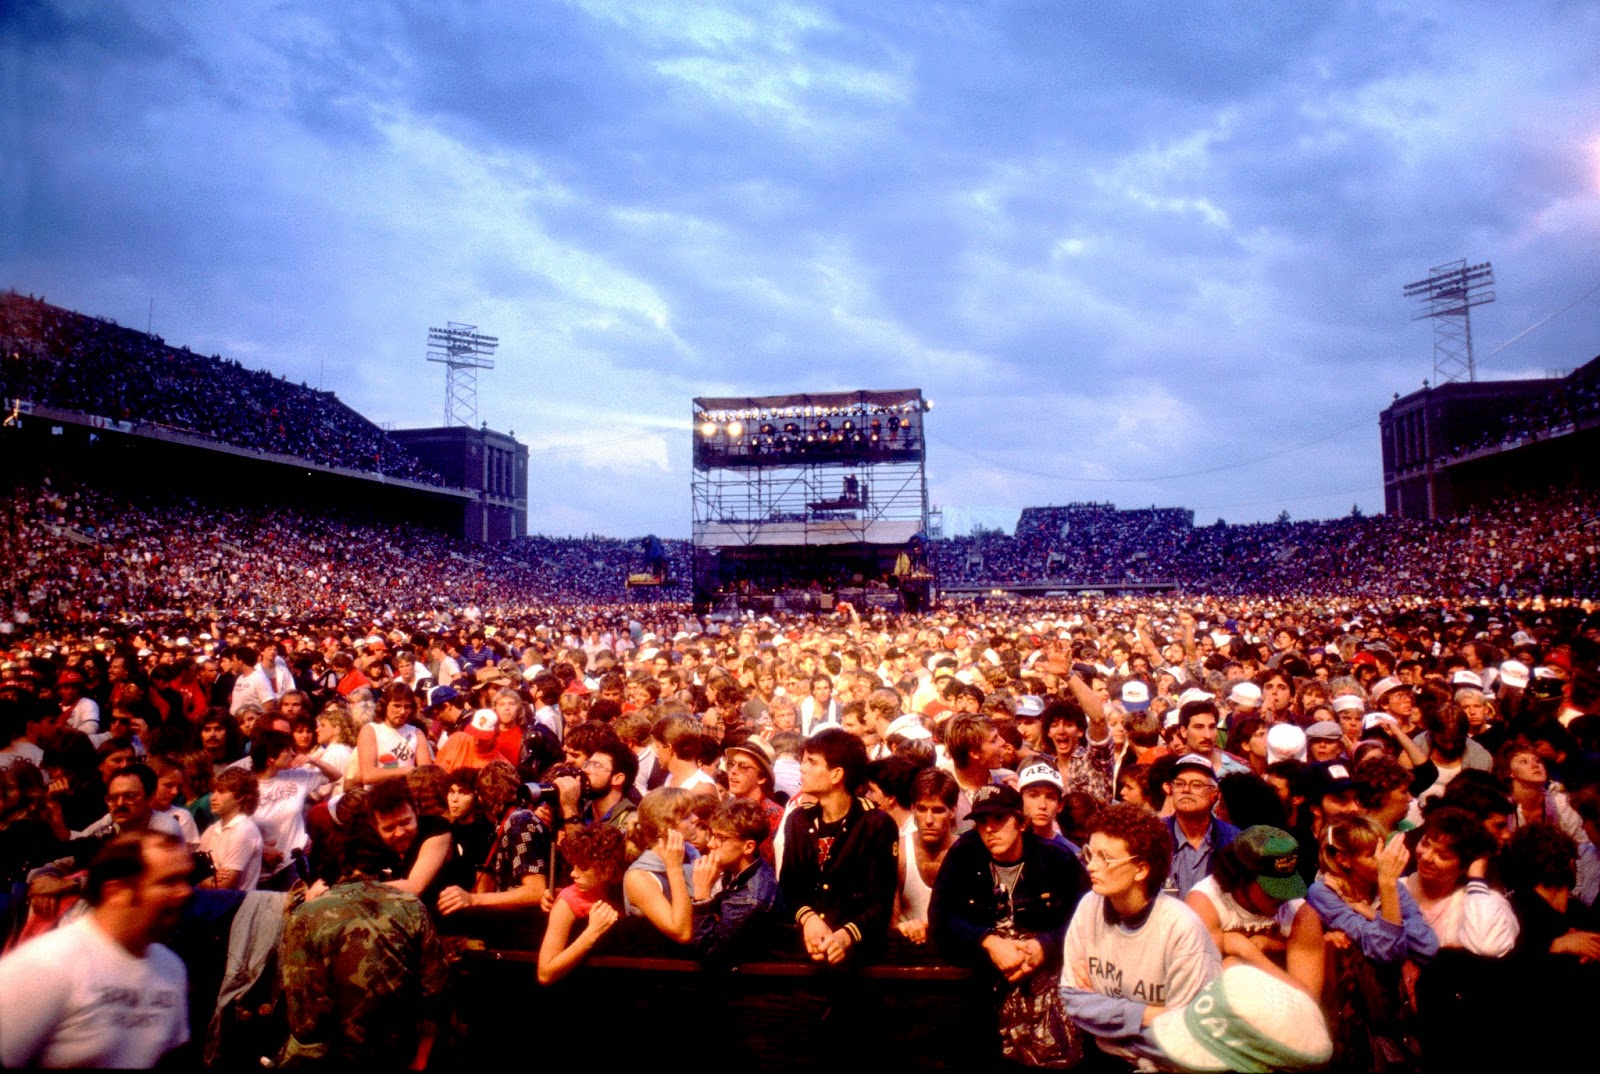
(301, 506)
(959, 537)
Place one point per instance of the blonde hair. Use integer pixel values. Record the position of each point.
(659, 812)
(522, 706)
(1347, 835)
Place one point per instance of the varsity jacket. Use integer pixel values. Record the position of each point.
(853, 889)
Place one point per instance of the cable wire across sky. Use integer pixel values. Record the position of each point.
(1243, 463)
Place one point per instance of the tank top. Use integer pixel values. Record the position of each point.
(396, 748)
(915, 893)
(1238, 918)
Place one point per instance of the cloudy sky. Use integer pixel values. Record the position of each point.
(1139, 252)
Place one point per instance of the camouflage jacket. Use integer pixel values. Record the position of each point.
(362, 968)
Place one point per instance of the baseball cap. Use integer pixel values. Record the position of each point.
(1039, 772)
(1545, 687)
(908, 726)
(1030, 707)
(1514, 673)
(1271, 855)
(1383, 687)
(1245, 695)
(1245, 1019)
(1194, 693)
(443, 695)
(1285, 742)
(1135, 696)
(1348, 703)
(483, 725)
(1193, 762)
(995, 800)
(1463, 679)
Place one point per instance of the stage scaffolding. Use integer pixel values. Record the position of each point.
(841, 474)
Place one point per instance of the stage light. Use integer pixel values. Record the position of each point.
(708, 429)
(849, 425)
(767, 429)
(824, 425)
(791, 429)
(735, 429)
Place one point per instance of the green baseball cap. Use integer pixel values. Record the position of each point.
(1273, 856)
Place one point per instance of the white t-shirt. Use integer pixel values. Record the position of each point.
(75, 997)
(281, 813)
(252, 688)
(337, 756)
(85, 716)
(235, 844)
(1238, 918)
(185, 822)
(22, 750)
(159, 822)
(696, 778)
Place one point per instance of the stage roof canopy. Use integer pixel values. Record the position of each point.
(841, 400)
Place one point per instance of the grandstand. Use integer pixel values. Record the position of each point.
(147, 480)
(1466, 444)
(126, 381)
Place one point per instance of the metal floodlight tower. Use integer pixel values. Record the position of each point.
(463, 351)
(1447, 297)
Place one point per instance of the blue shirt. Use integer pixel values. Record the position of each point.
(1192, 864)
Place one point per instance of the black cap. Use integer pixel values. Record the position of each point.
(995, 800)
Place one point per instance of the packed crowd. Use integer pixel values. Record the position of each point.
(72, 552)
(1539, 542)
(54, 357)
(1574, 404)
(1190, 834)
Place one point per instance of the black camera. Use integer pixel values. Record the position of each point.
(549, 794)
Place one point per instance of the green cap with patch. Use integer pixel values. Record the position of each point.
(1273, 856)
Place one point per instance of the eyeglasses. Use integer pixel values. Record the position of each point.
(1090, 857)
(1195, 785)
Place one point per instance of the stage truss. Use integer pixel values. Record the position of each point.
(834, 483)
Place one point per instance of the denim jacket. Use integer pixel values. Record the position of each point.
(738, 921)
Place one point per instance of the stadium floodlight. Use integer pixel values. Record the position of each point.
(463, 350)
(1447, 295)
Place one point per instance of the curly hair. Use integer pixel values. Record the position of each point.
(1145, 836)
(596, 846)
(498, 789)
(1459, 831)
(1540, 854)
(1375, 777)
(344, 728)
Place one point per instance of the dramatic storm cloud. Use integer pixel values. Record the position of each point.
(1145, 252)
